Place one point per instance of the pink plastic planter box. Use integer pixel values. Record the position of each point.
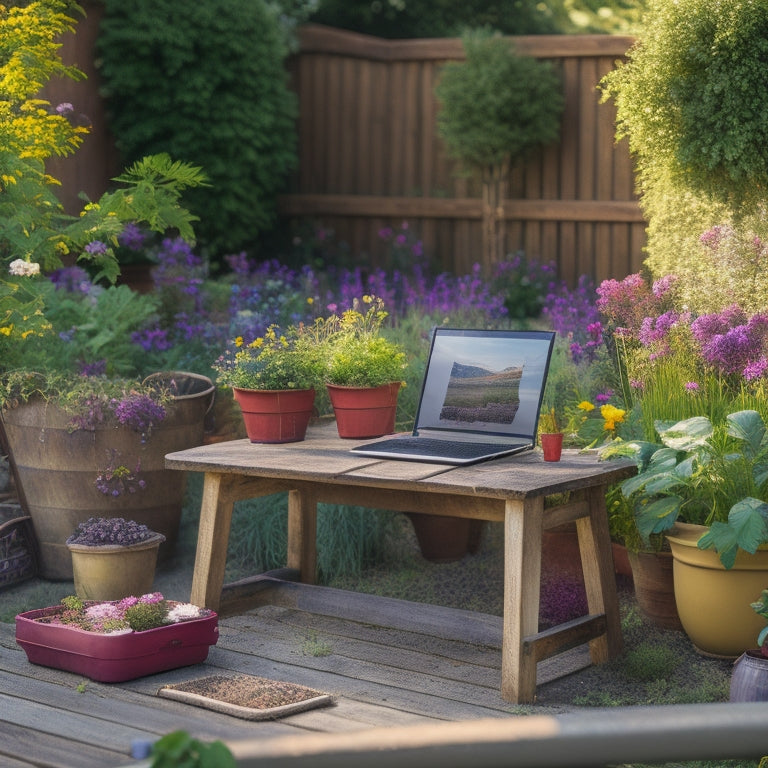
(115, 658)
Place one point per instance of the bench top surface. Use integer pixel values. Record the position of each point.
(325, 458)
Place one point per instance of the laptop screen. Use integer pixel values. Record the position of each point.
(485, 382)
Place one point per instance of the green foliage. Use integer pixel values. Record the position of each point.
(180, 750)
(692, 101)
(207, 85)
(275, 360)
(435, 18)
(715, 476)
(650, 661)
(760, 607)
(496, 105)
(143, 616)
(350, 539)
(354, 351)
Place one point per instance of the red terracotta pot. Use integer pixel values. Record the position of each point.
(276, 416)
(363, 412)
(551, 445)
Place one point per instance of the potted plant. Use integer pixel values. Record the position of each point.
(94, 443)
(273, 379)
(704, 490)
(113, 557)
(113, 641)
(550, 435)
(362, 369)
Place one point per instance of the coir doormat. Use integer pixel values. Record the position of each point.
(245, 696)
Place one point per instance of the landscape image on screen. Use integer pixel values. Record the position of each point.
(478, 394)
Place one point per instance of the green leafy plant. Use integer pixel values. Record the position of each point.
(180, 750)
(713, 476)
(231, 112)
(355, 352)
(760, 607)
(273, 361)
(690, 99)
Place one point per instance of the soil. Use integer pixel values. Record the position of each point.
(248, 691)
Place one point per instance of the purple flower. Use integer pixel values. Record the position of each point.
(654, 330)
(65, 108)
(692, 386)
(604, 397)
(98, 368)
(96, 248)
(756, 369)
(132, 237)
(139, 412)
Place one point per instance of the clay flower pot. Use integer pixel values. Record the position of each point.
(363, 412)
(275, 415)
(551, 445)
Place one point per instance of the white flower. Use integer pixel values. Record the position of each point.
(182, 612)
(24, 268)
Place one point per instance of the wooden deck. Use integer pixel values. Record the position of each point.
(386, 662)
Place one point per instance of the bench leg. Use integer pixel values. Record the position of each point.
(212, 541)
(523, 525)
(302, 535)
(599, 577)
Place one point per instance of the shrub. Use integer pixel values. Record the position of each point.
(692, 100)
(425, 18)
(206, 83)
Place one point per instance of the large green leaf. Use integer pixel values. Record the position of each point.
(747, 426)
(747, 529)
(688, 434)
(658, 516)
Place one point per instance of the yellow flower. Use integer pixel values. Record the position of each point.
(239, 341)
(612, 416)
(6, 330)
(310, 300)
(585, 406)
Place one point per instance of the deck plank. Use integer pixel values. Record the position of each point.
(391, 663)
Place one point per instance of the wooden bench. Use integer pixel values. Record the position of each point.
(509, 490)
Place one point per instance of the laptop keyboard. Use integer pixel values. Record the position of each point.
(427, 446)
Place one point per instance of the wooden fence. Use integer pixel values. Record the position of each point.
(370, 156)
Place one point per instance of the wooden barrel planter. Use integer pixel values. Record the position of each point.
(56, 470)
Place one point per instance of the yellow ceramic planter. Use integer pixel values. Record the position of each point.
(714, 602)
(112, 572)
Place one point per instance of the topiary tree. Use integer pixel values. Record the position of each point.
(496, 106)
(693, 103)
(205, 82)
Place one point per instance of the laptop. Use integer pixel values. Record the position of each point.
(480, 398)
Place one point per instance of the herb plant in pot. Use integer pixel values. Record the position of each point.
(550, 435)
(273, 379)
(363, 369)
(704, 489)
(113, 558)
